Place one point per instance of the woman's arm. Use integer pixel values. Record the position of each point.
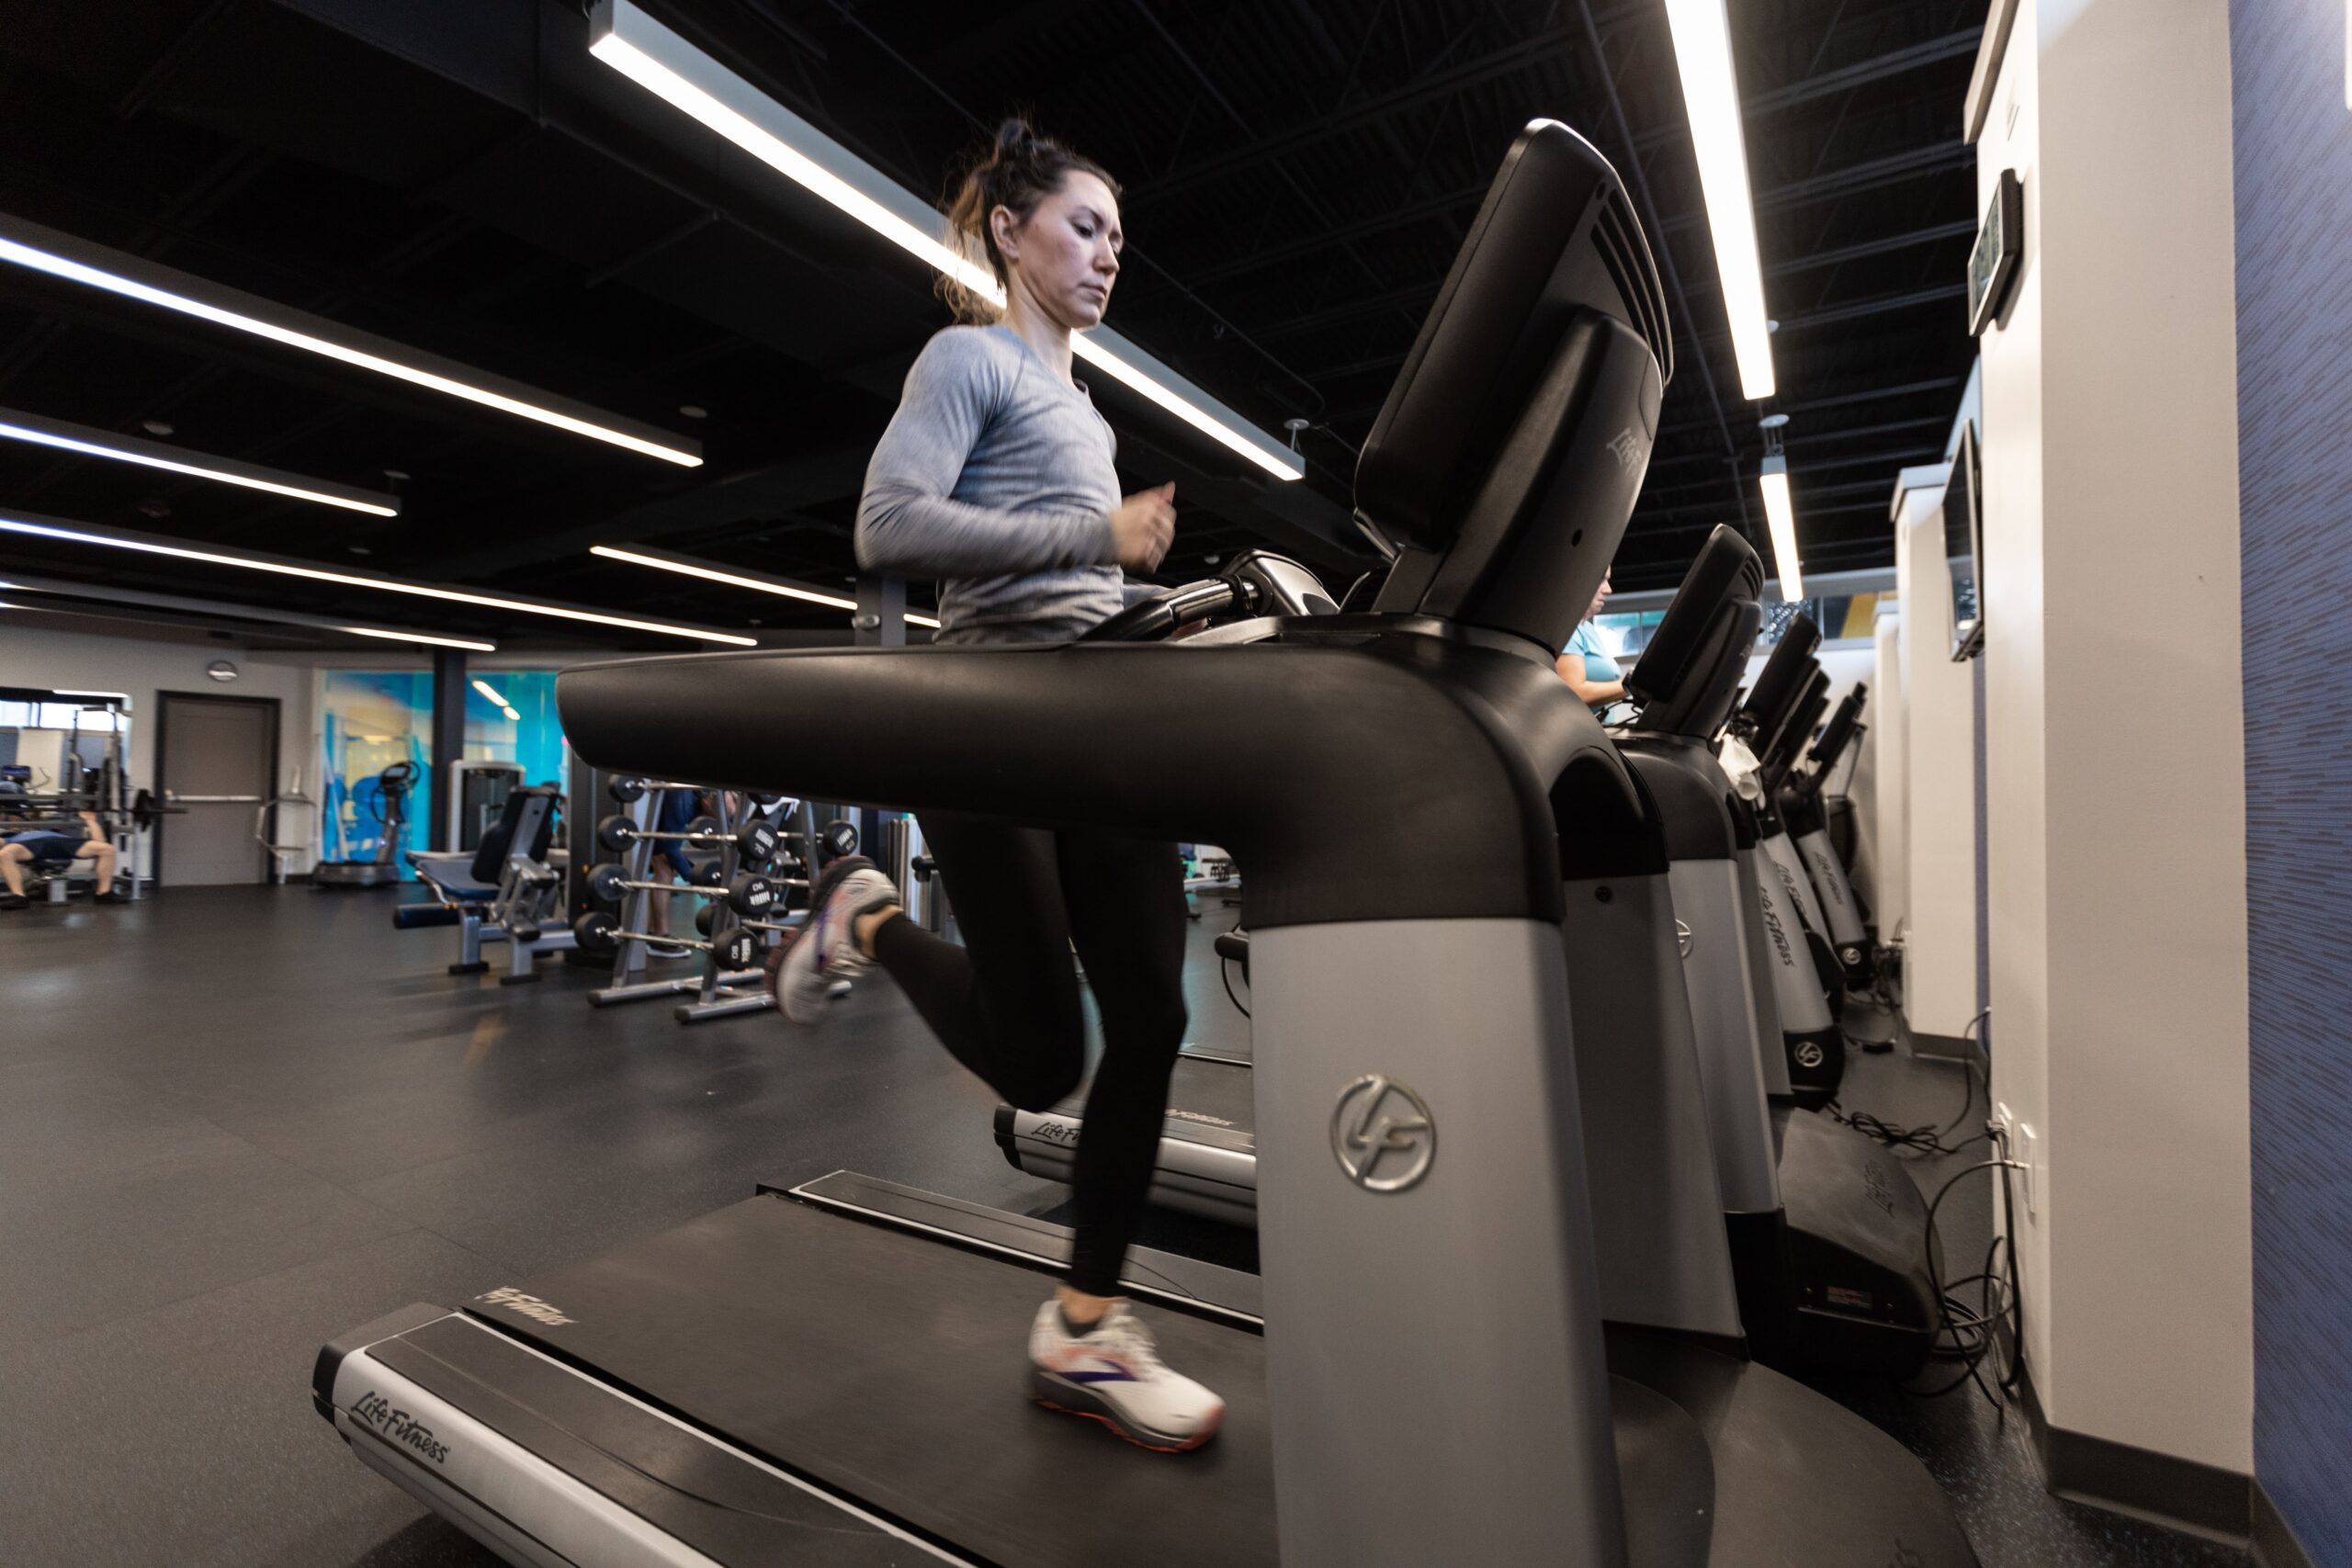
(908, 524)
(1592, 694)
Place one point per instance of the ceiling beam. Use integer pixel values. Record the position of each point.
(1841, 399)
(1886, 245)
(1871, 173)
(1880, 305)
(1425, 88)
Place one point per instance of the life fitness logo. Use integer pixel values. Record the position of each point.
(1382, 1134)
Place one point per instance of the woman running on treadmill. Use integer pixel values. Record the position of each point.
(996, 477)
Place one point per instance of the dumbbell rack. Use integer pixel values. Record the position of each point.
(716, 991)
(723, 993)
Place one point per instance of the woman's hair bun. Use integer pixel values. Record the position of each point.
(1016, 139)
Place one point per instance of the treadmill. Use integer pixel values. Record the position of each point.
(1424, 1378)
(1812, 1059)
(1828, 1234)
(1803, 807)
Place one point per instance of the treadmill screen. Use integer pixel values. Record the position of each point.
(1964, 548)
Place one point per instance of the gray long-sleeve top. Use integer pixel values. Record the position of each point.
(996, 477)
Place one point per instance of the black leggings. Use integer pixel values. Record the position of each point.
(1005, 1004)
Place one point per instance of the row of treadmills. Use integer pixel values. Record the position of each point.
(1499, 1319)
(1830, 1241)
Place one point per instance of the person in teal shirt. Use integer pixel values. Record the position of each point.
(1587, 665)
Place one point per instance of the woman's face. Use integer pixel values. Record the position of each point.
(1066, 257)
(1600, 598)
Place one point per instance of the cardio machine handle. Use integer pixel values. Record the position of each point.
(1156, 616)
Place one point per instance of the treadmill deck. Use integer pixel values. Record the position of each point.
(796, 1334)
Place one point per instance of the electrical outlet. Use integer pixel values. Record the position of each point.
(2028, 1153)
(2018, 1141)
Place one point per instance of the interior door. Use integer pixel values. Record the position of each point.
(216, 757)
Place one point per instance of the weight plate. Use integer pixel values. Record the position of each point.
(617, 832)
(596, 932)
(604, 882)
(626, 790)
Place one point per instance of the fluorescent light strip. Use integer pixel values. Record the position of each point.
(39, 259)
(485, 688)
(78, 536)
(418, 637)
(1711, 94)
(92, 442)
(515, 715)
(1783, 519)
(738, 580)
(689, 80)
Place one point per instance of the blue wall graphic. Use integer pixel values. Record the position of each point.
(2293, 155)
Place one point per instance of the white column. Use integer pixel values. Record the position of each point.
(1940, 953)
(1890, 793)
(2114, 720)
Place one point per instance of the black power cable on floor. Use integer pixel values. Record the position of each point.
(1975, 1333)
(1925, 1139)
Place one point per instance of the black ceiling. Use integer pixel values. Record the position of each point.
(458, 175)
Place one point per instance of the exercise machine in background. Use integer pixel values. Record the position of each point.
(386, 805)
(477, 790)
(509, 888)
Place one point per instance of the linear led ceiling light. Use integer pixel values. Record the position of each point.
(1710, 93)
(661, 561)
(91, 442)
(676, 72)
(485, 688)
(390, 635)
(1779, 516)
(108, 596)
(62, 255)
(76, 533)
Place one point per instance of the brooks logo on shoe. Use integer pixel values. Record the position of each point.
(1113, 1371)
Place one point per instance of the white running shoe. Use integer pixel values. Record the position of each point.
(1112, 1374)
(803, 970)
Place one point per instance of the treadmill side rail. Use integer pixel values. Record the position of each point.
(551, 1468)
(498, 1492)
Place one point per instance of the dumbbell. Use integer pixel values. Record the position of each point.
(626, 790)
(757, 840)
(705, 918)
(749, 894)
(839, 838)
(597, 931)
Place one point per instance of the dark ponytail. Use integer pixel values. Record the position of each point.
(1017, 171)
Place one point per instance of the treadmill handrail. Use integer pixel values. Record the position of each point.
(1382, 775)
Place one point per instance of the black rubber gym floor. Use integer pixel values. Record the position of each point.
(235, 1122)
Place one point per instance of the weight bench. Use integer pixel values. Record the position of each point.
(505, 891)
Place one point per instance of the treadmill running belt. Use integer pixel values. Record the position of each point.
(893, 1369)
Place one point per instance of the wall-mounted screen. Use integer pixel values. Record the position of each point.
(1964, 547)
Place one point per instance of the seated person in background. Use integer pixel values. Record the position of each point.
(1587, 665)
(52, 850)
